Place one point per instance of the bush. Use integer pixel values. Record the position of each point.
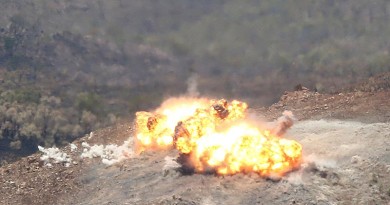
(27, 96)
(90, 102)
(9, 43)
(24, 126)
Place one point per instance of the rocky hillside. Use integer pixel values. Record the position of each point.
(70, 66)
(253, 48)
(345, 161)
(56, 87)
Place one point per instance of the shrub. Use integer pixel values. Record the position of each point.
(90, 102)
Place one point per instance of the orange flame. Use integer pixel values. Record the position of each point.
(215, 135)
(155, 130)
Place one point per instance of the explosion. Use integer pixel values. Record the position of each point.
(216, 136)
(155, 130)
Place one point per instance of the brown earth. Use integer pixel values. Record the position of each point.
(345, 137)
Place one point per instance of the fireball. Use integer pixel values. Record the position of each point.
(155, 130)
(215, 135)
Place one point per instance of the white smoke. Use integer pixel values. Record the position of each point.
(73, 147)
(320, 162)
(170, 163)
(170, 166)
(54, 155)
(192, 86)
(110, 154)
(310, 162)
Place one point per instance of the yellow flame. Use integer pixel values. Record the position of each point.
(216, 135)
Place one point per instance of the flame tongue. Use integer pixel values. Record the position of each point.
(215, 136)
(155, 130)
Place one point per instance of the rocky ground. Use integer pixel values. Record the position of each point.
(346, 147)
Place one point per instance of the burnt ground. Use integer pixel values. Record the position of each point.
(346, 148)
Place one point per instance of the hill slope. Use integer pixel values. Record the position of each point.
(345, 161)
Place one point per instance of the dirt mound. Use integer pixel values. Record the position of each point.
(357, 105)
(379, 82)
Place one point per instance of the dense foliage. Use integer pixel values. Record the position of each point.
(111, 58)
(54, 88)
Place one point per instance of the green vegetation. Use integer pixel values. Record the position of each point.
(22, 95)
(89, 102)
(23, 126)
(112, 58)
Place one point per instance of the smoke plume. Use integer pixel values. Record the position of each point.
(192, 86)
(284, 123)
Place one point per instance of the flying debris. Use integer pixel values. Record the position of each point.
(284, 123)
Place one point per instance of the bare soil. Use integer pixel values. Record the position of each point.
(346, 147)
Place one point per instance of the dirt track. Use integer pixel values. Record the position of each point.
(346, 142)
